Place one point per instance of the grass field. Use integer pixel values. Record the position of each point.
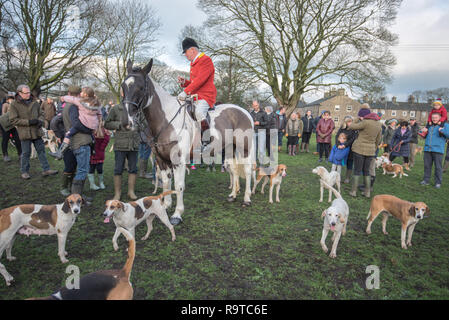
(224, 251)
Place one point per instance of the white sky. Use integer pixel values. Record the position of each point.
(422, 54)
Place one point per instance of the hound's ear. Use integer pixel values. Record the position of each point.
(342, 218)
(411, 211)
(129, 66)
(66, 206)
(323, 214)
(278, 169)
(148, 67)
(83, 201)
(427, 211)
(124, 206)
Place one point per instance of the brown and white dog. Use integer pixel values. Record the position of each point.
(104, 284)
(50, 141)
(419, 150)
(409, 213)
(275, 175)
(394, 168)
(31, 219)
(130, 215)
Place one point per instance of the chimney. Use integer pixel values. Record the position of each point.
(333, 92)
(341, 92)
(411, 99)
(394, 99)
(382, 99)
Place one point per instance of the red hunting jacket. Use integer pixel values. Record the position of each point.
(202, 80)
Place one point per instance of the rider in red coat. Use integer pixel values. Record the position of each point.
(201, 81)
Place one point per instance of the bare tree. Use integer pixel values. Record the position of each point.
(299, 46)
(233, 81)
(51, 38)
(136, 27)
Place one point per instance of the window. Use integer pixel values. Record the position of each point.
(337, 107)
(336, 119)
(404, 113)
(393, 113)
(423, 114)
(412, 114)
(349, 108)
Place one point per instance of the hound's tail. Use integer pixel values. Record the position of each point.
(166, 193)
(369, 214)
(131, 251)
(336, 193)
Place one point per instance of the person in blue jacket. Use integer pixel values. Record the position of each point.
(339, 153)
(434, 149)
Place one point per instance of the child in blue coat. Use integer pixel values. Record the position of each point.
(339, 153)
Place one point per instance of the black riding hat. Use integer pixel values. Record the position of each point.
(188, 43)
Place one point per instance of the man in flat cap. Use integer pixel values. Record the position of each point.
(201, 81)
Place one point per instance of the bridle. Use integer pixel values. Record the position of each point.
(139, 117)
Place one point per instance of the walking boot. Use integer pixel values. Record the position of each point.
(355, 183)
(131, 185)
(367, 192)
(93, 186)
(373, 179)
(77, 187)
(279, 148)
(307, 148)
(348, 176)
(297, 149)
(59, 153)
(66, 184)
(141, 168)
(101, 181)
(117, 187)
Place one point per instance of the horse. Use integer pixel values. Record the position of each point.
(170, 130)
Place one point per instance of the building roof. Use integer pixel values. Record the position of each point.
(389, 105)
(316, 102)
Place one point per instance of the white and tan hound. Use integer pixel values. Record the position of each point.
(335, 220)
(330, 178)
(37, 219)
(409, 213)
(275, 175)
(130, 215)
(104, 284)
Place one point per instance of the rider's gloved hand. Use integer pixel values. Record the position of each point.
(182, 96)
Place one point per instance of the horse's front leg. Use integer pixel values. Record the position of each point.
(166, 185)
(248, 176)
(179, 176)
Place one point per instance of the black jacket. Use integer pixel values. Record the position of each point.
(260, 116)
(280, 125)
(351, 135)
(415, 129)
(271, 121)
(309, 123)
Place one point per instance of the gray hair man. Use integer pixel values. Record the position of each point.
(25, 113)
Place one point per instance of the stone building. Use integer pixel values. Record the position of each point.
(340, 105)
(336, 102)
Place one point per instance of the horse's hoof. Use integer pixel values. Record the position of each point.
(231, 199)
(246, 204)
(175, 221)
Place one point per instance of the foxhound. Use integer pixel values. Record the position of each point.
(330, 178)
(130, 215)
(335, 220)
(37, 219)
(275, 175)
(393, 168)
(409, 213)
(104, 284)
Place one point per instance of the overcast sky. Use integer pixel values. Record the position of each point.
(422, 54)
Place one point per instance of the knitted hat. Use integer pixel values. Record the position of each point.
(392, 120)
(188, 43)
(363, 112)
(437, 102)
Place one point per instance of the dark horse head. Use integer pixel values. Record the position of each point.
(137, 93)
